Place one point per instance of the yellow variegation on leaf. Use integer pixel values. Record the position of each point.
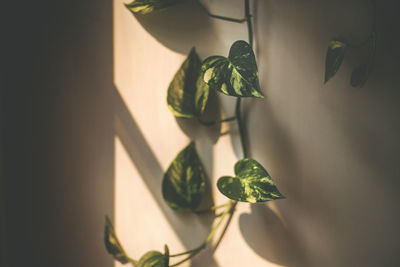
(184, 182)
(148, 6)
(188, 93)
(112, 243)
(334, 57)
(155, 259)
(236, 75)
(251, 184)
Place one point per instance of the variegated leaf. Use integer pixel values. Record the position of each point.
(251, 184)
(236, 75)
(112, 243)
(154, 259)
(188, 93)
(148, 6)
(334, 57)
(183, 184)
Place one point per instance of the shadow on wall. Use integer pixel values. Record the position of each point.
(181, 27)
(331, 148)
(275, 241)
(152, 173)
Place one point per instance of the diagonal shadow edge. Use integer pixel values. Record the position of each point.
(143, 158)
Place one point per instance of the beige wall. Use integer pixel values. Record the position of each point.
(331, 148)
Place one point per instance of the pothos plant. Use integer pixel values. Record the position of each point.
(339, 46)
(183, 183)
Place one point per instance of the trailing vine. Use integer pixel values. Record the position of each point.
(184, 181)
(236, 75)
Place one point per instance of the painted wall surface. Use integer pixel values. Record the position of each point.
(332, 149)
(86, 132)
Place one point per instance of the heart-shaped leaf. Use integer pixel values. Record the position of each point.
(334, 57)
(154, 259)
(359, 75)
(236, 75)
(183, 184)
(112, 243)
(148, 6)
(188, 93)
(251, 184)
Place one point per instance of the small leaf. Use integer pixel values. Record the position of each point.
(187, 92)
(236, 75)
(112, 243)
(359, 75)
(251, 184)
(183, 184)
(155, 259)
(148, 6)
(334, 57)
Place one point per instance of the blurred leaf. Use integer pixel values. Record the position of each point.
(236, 75)
(334, 57)
(183, 184)
(148, 6)
(188, 93)
(155, 259)
(359, 75)
(112, 243)
(251, 184)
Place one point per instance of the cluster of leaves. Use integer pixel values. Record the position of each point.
(335, 56)
(183, 183)
(235, 75)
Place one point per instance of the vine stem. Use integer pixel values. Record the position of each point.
(238, 101)
(209, 238)
(213, 208)
(230, 210)
(134, 262)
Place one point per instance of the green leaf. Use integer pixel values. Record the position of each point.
(155, 259)
(148, 6)
(112, 243)
(359, 75)
(183, 184)
(334, 57)
(236, 75)
(188, 93)
(251, 184)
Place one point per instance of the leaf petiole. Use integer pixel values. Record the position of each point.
(215, 228)
(185, 259)
(134, 262)
(195, 250)
(230, 206)
(212, 208)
